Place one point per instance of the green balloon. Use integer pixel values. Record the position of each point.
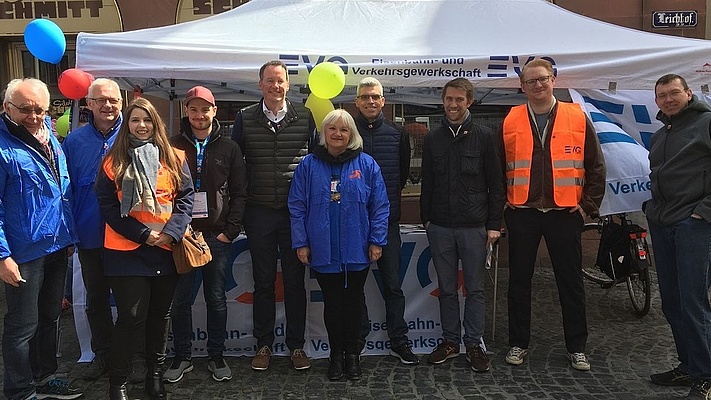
(62, 125)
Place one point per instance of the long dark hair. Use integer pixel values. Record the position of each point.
(118, 154)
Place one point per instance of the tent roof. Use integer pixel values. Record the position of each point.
(404, 43)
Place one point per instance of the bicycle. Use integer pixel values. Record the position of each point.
(622, 256)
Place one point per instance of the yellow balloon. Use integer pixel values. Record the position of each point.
(62, 125)
(319, 109)
(326, 80)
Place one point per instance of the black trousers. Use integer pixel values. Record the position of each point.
(343, 308)
(561, 230)
(98, 307)
(143, 305)
(269, 237)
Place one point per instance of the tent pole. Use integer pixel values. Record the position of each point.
(172, 106)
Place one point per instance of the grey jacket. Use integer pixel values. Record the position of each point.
(680, 160)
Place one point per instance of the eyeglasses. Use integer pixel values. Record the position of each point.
(542, 80)
(104, 100)
(366, 97)
(29, 110)
(673, 93)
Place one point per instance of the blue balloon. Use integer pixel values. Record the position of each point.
(45, 40)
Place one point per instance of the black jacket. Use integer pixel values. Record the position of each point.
(223, 178)
(461, 177)
(680, 160)
(390, 147)
(272, 151)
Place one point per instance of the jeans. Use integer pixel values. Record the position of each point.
(389, 266)
(213, 283)
(29, 341)
(98, 306)
(269, 235)
(682, 253)
(342, 308)
(561, 230)
(143, 305)
(448, 246)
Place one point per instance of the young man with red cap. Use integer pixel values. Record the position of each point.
(218, 173)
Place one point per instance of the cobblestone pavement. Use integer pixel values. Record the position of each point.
(623, 350)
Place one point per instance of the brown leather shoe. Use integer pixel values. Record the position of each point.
(477, 358)
(260, 362)
(300, 360)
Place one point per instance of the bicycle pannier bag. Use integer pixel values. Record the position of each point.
(613, 256)
(191, 252)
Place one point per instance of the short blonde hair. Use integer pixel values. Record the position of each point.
(538, 62)
(355, 142)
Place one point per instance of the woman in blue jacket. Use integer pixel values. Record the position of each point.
(339, 222)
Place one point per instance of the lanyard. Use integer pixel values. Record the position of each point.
(200, 146)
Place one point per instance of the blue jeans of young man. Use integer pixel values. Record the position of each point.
(29, 340)
(269, 236)
(681, 252)
(389, 266)
(213, 286)
(448, 246)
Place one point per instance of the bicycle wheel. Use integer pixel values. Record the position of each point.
(638, 283)
(590, 239)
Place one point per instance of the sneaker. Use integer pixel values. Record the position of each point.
(179, 367)
(139, 370)
(260, 362)
(95, 369)
(404, 353)
(700, 390)
(516, 355)
(579, 361)
(299, 360)
(675, 377)
(58, 388)
(220, 371)
(477, 358)
(443, 352)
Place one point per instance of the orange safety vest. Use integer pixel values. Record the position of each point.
(165, 193)
(567, 150)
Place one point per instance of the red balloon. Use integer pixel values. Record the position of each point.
(74, 83)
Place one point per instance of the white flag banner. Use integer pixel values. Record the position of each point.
(624, 122)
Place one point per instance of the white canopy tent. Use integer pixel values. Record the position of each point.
(411, 46)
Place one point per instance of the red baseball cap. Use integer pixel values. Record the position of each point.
(200, 92)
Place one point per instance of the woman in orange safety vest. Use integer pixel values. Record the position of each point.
(146, 197)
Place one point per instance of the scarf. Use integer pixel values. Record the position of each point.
(139, 180)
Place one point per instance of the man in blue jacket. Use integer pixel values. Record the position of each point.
(84, 148)
(36, 234)
(390, 147)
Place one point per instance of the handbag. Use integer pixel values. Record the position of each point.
(191, 252)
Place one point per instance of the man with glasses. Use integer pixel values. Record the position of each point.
(219, 177)
(555, 178)
(390, 147)
(679, 216)
(85, 147)
(36, 236)
(460, 206)
(274, 135)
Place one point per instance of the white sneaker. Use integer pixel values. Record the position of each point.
(579, 361)
(516, 355)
